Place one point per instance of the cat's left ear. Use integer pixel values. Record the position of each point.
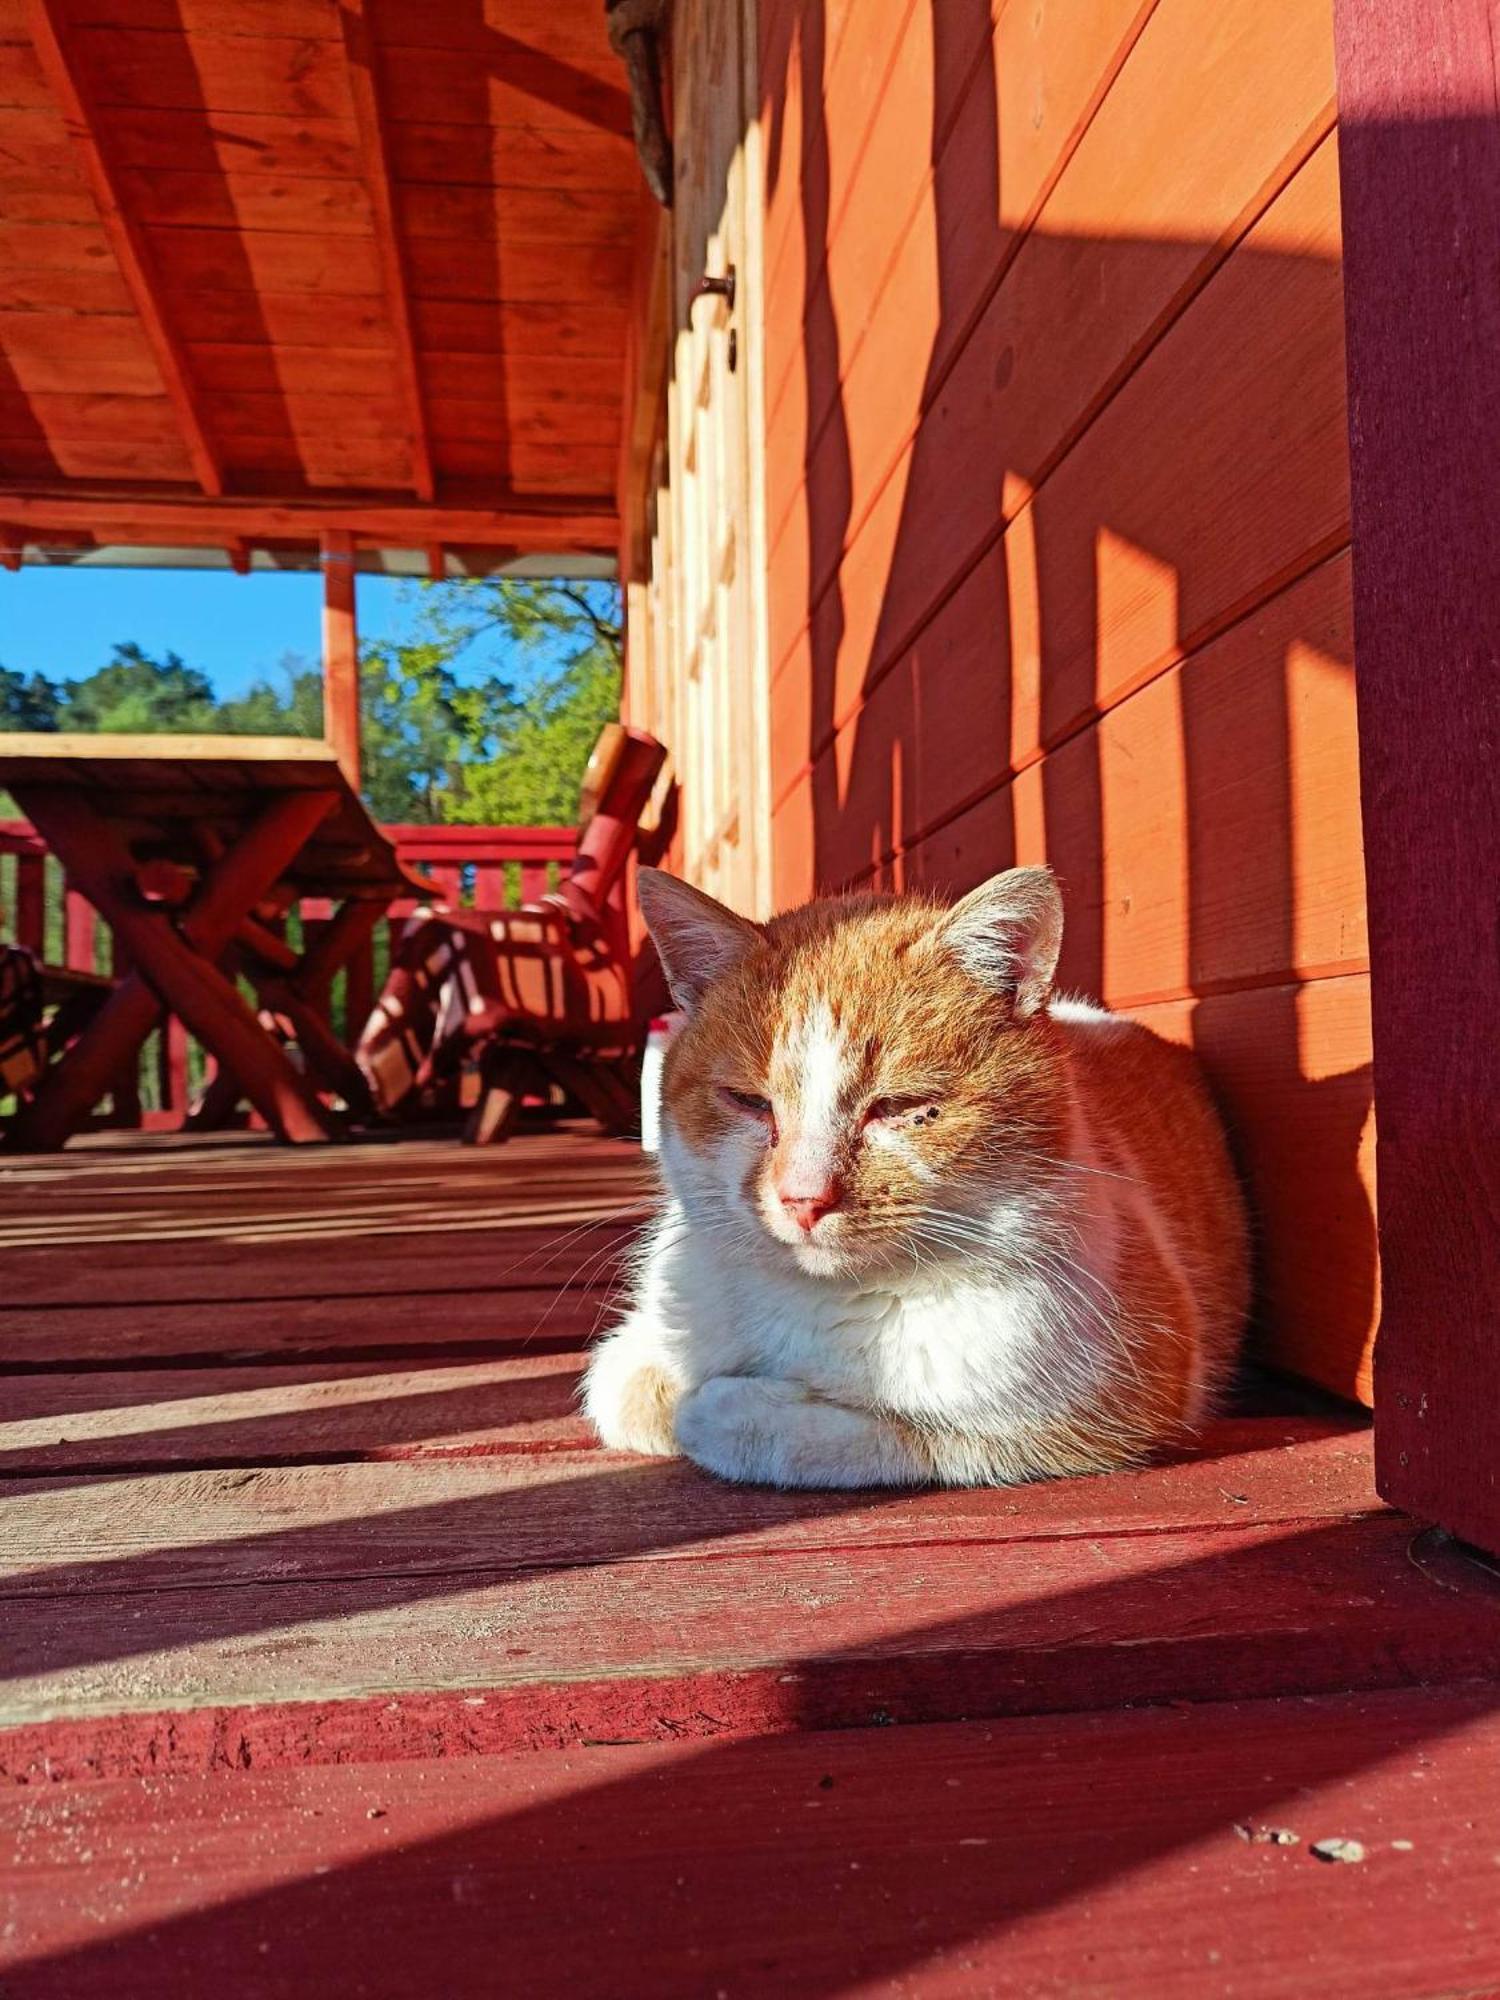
(697, 939)
(1007, 933)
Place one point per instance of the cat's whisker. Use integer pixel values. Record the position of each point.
(1083, 1167)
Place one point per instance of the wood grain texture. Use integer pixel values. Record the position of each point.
(362, 1591)
(132, 251)
(1092, 1855)
(1058, 483)
(301, 186)
(393, 1653)
(1420, 141)
(128, 512)
(340, 658)
(1156, 183)
(256, 1415)
(399, 1476)
(415, 1321)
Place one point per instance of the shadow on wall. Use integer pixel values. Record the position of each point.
(1044, 631)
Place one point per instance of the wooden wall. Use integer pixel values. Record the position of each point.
(1057, 503)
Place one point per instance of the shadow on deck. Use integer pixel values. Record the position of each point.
(335, 1654)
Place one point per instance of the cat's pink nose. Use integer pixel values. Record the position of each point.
(806, 1208)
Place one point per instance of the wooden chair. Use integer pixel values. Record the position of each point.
(539, 997)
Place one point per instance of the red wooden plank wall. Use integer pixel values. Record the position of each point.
(1057, 490)
(1421, 151)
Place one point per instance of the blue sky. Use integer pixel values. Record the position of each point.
(62, 622)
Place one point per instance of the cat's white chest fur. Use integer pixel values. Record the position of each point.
(786, 1379)
(920, 1348)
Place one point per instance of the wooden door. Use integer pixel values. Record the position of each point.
(1419, 147)
(709, 553)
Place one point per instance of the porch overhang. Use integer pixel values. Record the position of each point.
(271, 271)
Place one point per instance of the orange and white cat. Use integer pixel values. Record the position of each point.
(926, 1222)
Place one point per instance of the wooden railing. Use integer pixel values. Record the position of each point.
(478, 867)
(487, 867)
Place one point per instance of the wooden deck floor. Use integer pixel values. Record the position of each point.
(334, 1658)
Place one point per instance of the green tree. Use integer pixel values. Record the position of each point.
(563, 641)
(28, 701)
(410, 745)
(486, 715)
(534, 779)
(294, 708)
(136, 694)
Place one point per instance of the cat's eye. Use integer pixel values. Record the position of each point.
(746, 1100)
(901, 1111)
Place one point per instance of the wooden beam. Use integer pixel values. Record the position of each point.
(437, 562)
(375, 164)
(11, 539)
(648, 345)
(238, 552)
(127, 239)
(131, 515)
(340, 654)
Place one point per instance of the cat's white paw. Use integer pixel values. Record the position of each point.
(630, 1395)
(735, 1425)
(776, 1433)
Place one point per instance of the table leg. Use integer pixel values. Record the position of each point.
(296, 988)
(218, 1104)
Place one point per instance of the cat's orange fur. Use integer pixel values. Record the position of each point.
(1028, 1201)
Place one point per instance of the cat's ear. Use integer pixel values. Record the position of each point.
(697, 939)
(1007, 933)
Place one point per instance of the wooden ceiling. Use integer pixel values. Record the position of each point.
(271, 266)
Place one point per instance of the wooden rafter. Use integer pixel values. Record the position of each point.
(127, 240)
(364, 84)
(145, 517)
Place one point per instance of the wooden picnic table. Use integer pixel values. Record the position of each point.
(190, 847)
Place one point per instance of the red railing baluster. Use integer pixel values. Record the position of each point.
(31, 902)
(359, 989)
(174, 1068)
(78, 932)
(125, 1096)
(533, 880)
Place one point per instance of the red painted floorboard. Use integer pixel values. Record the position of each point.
(406, 1319)
(323, 1622)
(1081, 1855)
(120, 1671)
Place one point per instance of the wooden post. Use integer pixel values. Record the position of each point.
(31, 902)
(1419, 149)
(340, 653)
